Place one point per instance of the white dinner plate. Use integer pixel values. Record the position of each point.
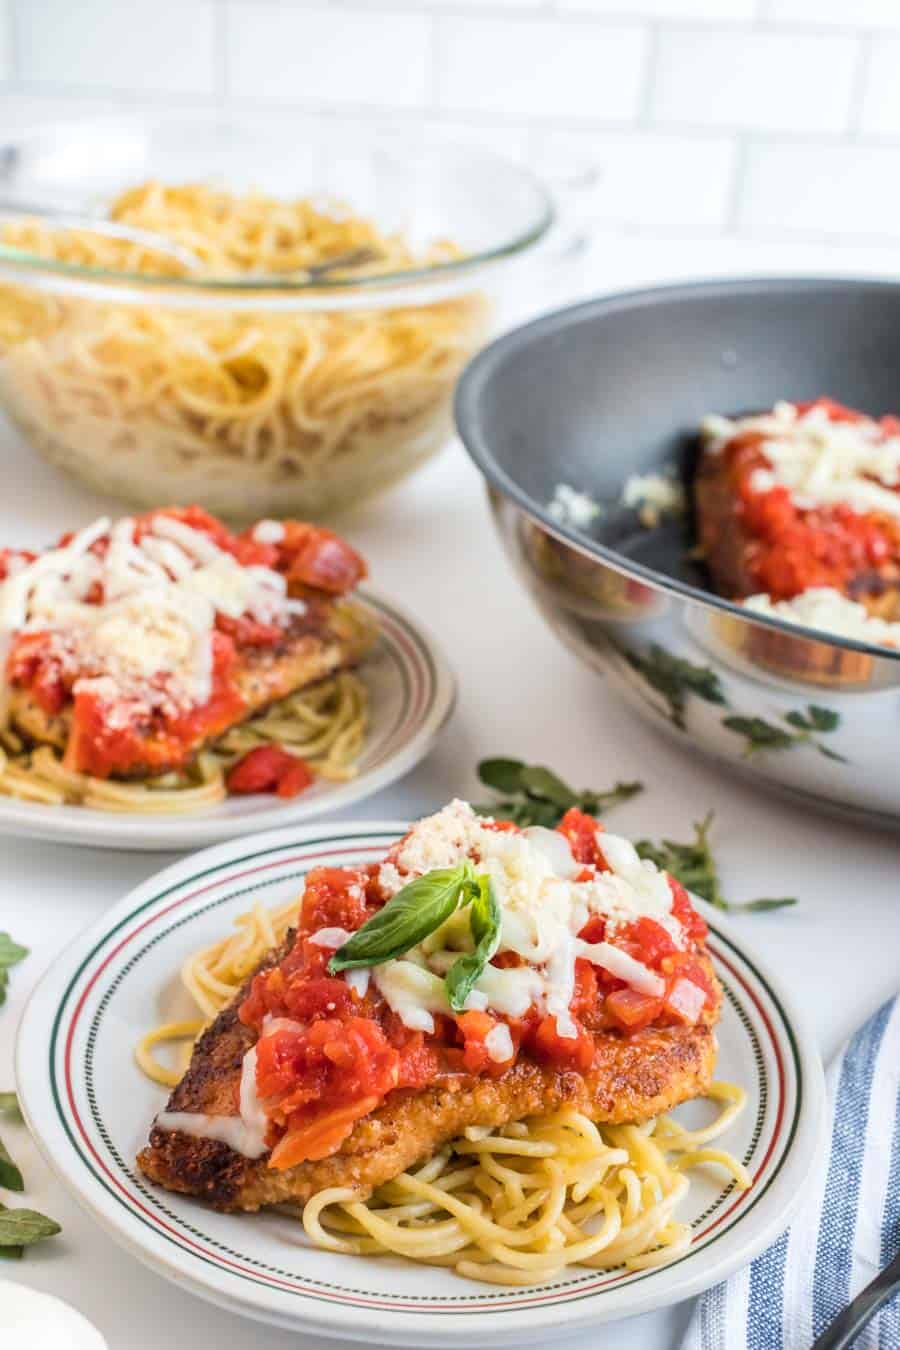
(411, 690)
(90, 1109)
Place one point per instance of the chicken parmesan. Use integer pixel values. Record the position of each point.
(479, 977)
(131, 649)
(803, 498)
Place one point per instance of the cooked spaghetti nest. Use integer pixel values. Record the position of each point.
(154, 396)
(324, 724)
(515, 1205)
(519, 1204)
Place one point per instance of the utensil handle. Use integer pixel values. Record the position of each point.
(849, 1323)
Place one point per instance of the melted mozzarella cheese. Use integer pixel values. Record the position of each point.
(820, 462)
(245, 1133)
(824, 608)
(151, 638)
(542, 910)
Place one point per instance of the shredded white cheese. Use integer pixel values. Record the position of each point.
(542, 910)
(654, 495)
(571, 507)
(829, 611)
(151, 638)
(820, 462)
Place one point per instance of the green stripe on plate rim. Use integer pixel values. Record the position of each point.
(357, 837)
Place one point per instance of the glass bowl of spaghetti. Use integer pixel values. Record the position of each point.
(295, 352)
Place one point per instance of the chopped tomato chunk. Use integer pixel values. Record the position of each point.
(269, 768)
(581, 830)
(631, 1009)
(312, 556)
(548, 1045)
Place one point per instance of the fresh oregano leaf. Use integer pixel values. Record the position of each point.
(543, 783)
(10, 1176)
(694, 866)
(503, 775)
(23, 1227)
(11, 953)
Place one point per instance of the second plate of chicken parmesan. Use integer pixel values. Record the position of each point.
(405, 1083)
(166, 682)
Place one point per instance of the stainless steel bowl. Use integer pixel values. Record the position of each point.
(617, 386)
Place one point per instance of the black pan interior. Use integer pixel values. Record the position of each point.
(618, 386)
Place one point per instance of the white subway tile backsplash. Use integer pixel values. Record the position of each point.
(840, 190)
(136, 46)
(774, 118)
(720, 10)
(840, 14)
(881, 98)
(328, 56)
(555, 68)
(644, 178)
(755, 79)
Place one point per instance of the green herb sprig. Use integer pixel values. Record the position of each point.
(675, 678)
(694, 866)
(533, 795)
(805, 726)
(11, 953)
(19, 1228)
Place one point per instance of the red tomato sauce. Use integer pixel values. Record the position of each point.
(339, 1053)
(125, 735)
(794, 548)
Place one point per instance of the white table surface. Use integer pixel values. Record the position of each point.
(432, 545)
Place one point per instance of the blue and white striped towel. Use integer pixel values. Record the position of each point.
(845, 1234)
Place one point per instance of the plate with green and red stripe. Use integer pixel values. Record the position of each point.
(90, 1109)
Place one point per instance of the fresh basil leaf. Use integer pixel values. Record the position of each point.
(540, 782)
(10, 1253)
(11, 953)
(503, 775)
(9, 1106)
(799, 720)
(484, 914)
(10, 1176)
(407, 919)
(22, 1227)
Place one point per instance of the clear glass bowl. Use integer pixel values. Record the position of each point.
(260, 396)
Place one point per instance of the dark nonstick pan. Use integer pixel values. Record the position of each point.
(617, 386)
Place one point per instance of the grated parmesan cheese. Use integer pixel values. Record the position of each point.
(820, 462)
(150, 641)
(542, 910)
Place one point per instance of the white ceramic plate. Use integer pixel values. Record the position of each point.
(90, 1108)
(411, 688)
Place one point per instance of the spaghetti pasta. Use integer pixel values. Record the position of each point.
(514, 1205)
(324, 724)
(519, 1204)
(244, 410)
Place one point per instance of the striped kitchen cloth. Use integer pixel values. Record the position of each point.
(848, 1230)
